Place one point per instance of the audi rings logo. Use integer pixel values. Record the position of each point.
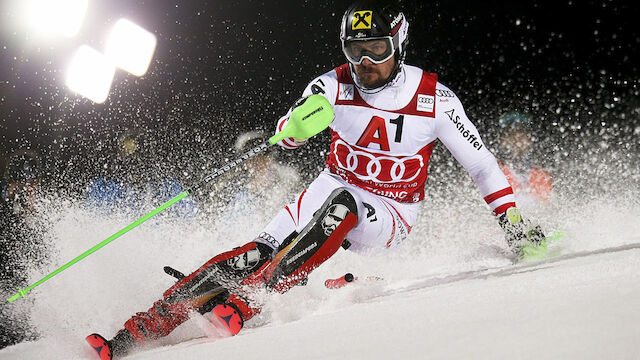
(425, 103)
(425, 99)
(379, 168)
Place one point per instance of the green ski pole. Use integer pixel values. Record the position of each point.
(310, 117)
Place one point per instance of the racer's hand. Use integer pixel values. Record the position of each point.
(520, 232)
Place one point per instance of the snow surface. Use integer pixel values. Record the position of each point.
(437, 300)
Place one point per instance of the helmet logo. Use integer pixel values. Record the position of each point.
(396, 21)
(361, 20)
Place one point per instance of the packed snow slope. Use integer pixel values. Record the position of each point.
(437, 299)
(583, 307)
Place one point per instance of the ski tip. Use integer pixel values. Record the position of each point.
(555, 236)
(228, 318)
(100, 345)
(532, 252)
(339, 282)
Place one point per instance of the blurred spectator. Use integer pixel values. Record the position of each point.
(116, 186)
(127, 185)
(21, 181)
(21, 244)
(258, 187)
(528, 179)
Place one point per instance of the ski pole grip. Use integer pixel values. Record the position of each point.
(307, 119)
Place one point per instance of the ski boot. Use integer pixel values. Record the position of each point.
(201, 291)
(223, 285)
(227, 319)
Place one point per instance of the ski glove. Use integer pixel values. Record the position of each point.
(299, 142)
(520, 233)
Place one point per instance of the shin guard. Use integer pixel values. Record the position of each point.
(317, 242)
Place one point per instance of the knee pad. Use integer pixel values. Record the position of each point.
(335, 209)
(317, 241)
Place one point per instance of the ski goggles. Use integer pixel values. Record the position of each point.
(376, 50)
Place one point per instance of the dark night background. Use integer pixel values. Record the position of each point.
(222, 68)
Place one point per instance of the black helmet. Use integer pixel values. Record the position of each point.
(374, 21)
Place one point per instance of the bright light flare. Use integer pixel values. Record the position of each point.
(90, 74)
(55, 17)
(130, 47)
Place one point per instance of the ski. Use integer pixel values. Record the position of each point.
(349, 278)
(101, 346)
(531, 252)
(504, 270)
(224, 321)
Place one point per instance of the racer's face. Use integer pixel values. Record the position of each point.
(374, 75)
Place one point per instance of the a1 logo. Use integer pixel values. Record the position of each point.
(376, 132)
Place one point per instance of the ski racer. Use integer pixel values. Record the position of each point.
(388, 116)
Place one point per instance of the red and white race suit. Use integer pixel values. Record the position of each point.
(381, 141)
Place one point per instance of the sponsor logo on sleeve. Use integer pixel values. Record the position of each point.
(345, 92)
(444, 93)
(425, 103)
(466, 133)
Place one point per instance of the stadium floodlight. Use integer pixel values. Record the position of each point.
(130, 47)
(90, 74)
(55, 17)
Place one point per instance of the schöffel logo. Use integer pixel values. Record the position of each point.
(466, 133)
(425, 103)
